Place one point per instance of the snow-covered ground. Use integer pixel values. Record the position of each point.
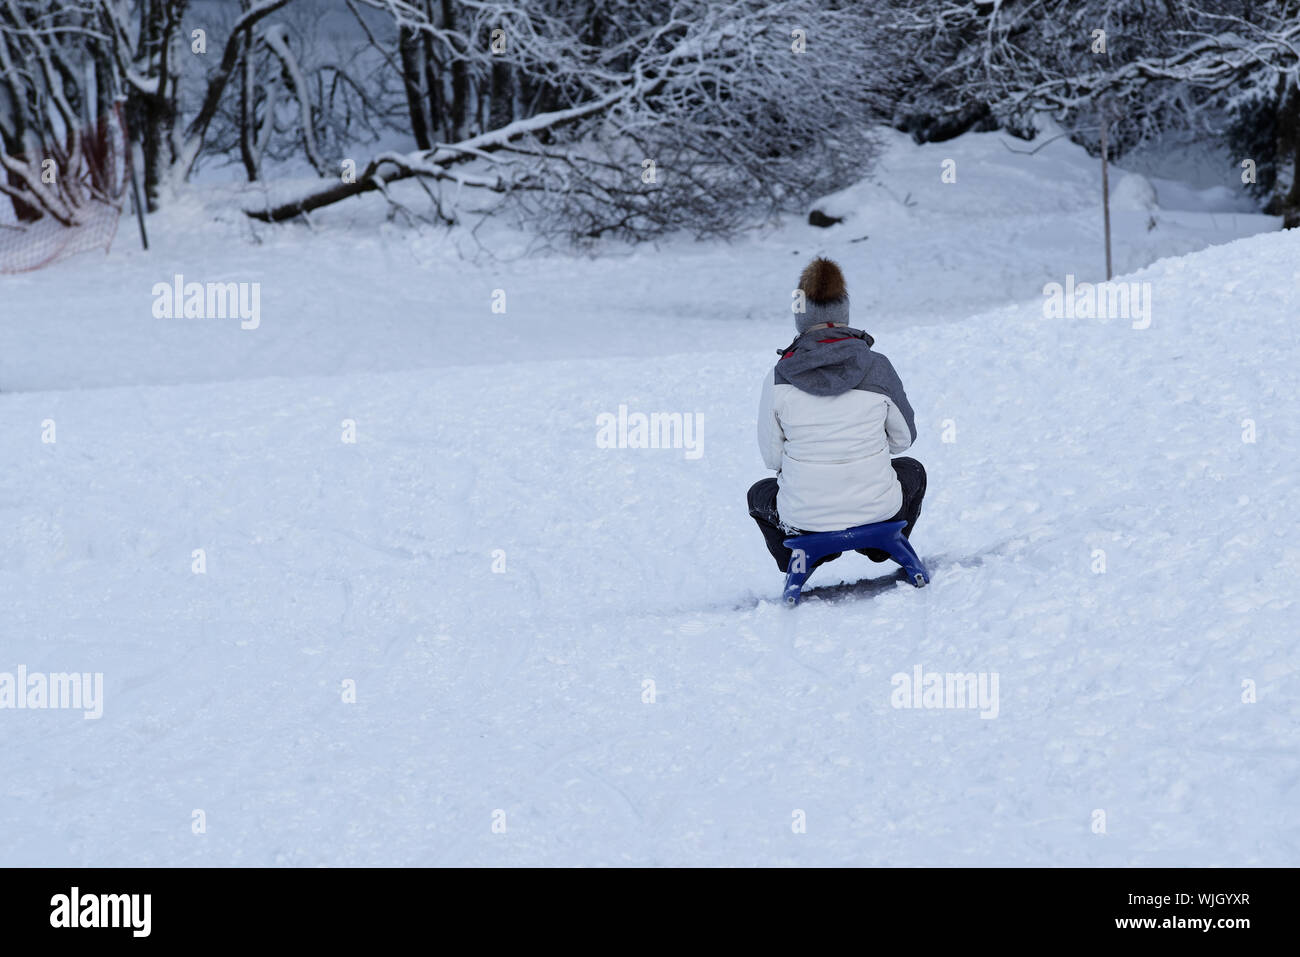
(500, 589)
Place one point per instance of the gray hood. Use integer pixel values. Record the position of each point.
(826, 361)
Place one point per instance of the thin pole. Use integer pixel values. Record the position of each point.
(1105, 188)
(130, 168)
(119, 105)
(139, 209)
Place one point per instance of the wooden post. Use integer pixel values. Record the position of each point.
(139, 206)
(1105, 187)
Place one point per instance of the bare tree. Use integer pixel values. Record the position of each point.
(627, 117)
(56, 112)
(701, 114)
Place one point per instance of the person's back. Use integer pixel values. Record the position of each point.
(831, 413)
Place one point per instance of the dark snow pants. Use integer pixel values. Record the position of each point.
(762, 508)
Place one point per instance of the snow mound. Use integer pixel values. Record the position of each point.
(1134, 192)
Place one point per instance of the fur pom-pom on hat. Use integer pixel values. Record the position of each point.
(822, 281)
(826, 297)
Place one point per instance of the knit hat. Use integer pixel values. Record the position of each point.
(826, 299)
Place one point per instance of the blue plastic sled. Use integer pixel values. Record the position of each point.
(886, 536)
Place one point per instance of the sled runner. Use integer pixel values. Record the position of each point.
(886, 536)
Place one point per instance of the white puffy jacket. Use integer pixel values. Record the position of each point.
(831, 414)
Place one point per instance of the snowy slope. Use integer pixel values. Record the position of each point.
(356, 294)
(522, 690)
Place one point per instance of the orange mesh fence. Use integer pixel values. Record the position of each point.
(86, 181)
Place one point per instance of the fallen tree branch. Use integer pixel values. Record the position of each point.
(433, 162)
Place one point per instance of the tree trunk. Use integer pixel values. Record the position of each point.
(1288, 135)
(248, 109)
(410, 48)
(459, 81)
(439, 120)
(24, 212)
(501, 109)
(13, 145)
(155, 113)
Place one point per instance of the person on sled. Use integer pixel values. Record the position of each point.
(831, 415)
